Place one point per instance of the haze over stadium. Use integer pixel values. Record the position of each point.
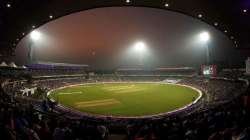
(102, 38)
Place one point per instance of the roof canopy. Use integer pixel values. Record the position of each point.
(12, 65)
(3, 64)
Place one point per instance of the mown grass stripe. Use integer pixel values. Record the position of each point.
(95, 101)
(97, 104)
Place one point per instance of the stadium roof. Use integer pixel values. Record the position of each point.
(62, 64)
(156, 69)
(52, 64)
(19, 17)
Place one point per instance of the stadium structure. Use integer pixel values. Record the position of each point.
(50, 100)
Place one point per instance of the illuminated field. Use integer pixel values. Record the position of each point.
(125, 99)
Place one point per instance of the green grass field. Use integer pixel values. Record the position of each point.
(125, 99)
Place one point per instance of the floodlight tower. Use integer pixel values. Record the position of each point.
(34, 37)
(204, 38)
(140, 49)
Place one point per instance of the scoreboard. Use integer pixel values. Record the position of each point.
(209, 70)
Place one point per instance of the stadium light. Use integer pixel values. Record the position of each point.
(140, 46)
(204, 37)
(139, 49)
(35, 35)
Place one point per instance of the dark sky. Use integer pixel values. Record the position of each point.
(103, 37)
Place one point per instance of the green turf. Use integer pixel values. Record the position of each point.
(125, 99)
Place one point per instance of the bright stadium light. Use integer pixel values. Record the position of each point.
(204, 37)
(140, 46)
(139, 51)
(35, 35)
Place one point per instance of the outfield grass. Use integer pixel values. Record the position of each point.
(125, 99)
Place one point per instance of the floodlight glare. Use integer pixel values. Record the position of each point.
(35, 35)
(140, 46)
(204, 36)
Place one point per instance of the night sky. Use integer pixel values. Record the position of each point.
(103, 37)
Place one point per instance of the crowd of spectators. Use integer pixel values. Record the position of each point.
(225, 121)
(232, 73)
(21, 121)
(56, 72)
(157, 71)
(218, 90)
